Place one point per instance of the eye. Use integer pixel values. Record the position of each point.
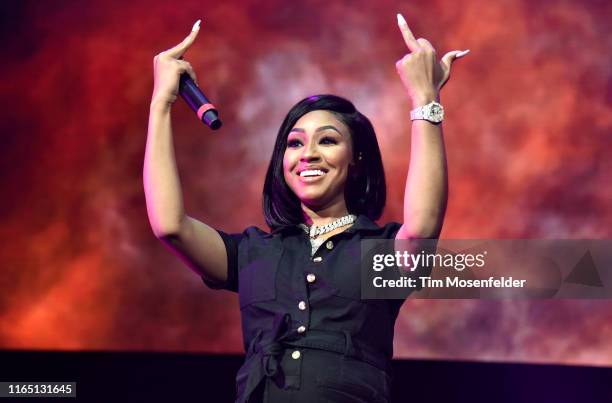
(328, 140)
(293, 143)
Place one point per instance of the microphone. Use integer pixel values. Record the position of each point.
(198, 102)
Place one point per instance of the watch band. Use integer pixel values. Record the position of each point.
(417, 113)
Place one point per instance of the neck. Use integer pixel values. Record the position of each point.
(324, 215)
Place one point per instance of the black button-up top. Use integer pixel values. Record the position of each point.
(290, 298)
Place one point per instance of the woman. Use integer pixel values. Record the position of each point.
(308, 335)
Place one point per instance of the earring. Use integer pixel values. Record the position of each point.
(360, 156)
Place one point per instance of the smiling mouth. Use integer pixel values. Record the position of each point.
(311, 175)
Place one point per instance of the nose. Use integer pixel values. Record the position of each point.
(310, 152)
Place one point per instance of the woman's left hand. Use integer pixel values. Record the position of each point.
(421, 72)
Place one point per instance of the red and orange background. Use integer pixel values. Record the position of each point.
(528, 133)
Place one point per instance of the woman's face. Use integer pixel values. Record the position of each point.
(317, 158)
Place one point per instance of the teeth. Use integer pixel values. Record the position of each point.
(312, 172)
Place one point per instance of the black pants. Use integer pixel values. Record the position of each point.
(319, 376)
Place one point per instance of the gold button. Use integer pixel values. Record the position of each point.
(301, 329)
(302, 305)
(329, 245)
(311, 277)
(317, 259)
(295, 355)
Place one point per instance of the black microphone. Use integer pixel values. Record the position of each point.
(198, 102)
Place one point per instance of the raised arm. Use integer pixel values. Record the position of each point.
(198, 245)
(425, 195)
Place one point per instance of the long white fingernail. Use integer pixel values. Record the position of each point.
(400, 19)
(196, 26)
(461, 54)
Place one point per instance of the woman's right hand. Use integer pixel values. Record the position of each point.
(168, 67)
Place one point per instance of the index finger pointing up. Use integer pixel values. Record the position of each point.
(411, 42)
(182, 47)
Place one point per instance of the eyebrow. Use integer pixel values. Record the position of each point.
(320, 129)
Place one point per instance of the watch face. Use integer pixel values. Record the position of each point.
(435, 113)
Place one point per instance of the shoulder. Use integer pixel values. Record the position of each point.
(370, 229)
(253, 238)
(386, 231)
(248, 234)
(390, 230)
(255, 232)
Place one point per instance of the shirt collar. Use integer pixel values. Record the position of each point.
(363, 222)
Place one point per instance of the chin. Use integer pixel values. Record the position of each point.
(313, 197)
(311, 200)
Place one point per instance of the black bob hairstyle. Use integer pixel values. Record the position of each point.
(365, 190)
